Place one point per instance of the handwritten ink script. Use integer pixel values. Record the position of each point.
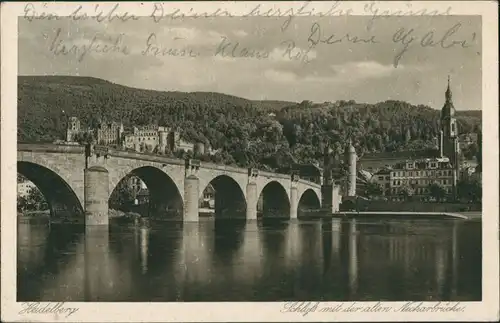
(318, 35)
(304, 308)
(49, 308)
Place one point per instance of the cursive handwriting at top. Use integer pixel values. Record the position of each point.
(228, 48)
(376, 13)
(102, 16)
(406, 37)
(159, 13)
(303, 11)
(59, 47)
(317, 37)
(30, 13)
(153, 49)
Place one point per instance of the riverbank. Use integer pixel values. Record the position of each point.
(398, 214)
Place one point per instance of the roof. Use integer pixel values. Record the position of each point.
(383, 171)
(422, 164)
(209, 189)
(366, 174)
(403, 155)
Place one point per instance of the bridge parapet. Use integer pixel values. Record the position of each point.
(51, 148)
(306, 182)
(275, 175)
(146, 157)
(224, 168)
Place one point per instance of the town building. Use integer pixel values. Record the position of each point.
(208, 198)
(24, 188)
(383, 178)
(373, 162)
(419, 174)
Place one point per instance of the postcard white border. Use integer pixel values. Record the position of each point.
(486, 310)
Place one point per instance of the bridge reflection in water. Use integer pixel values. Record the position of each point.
(269, 260)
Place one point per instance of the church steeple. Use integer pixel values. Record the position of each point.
(448, 91)
(448, 110)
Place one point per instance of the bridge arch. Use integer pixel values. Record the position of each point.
(160, 199)
(229, 197)
(62, 199)
(309, 200)
(273, 201)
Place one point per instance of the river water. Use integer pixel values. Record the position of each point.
(374, 259)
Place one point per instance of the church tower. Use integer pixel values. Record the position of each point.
(448, 143)
(449, 130)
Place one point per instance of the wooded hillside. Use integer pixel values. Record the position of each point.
(246, 131)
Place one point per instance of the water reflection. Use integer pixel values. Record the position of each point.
(349, 259)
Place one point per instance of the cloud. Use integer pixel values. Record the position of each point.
(280, 76)
(355, 71)
(192, 35)
(240, 33)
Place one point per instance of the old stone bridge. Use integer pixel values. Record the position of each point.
(76, 182)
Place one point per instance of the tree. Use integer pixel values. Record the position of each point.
(84, 138)
(406, 191)
(123, 195)
(437, 191)
(470, 190)
(34, 201)
(373, 189)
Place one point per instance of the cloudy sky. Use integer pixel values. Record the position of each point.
(315, 59)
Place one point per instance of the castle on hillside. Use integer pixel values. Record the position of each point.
(149, 138)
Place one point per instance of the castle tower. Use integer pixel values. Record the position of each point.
(162, 139)
(449, 146)
(72, 129)
(350, 159)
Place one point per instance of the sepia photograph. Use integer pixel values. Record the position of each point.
(296, 157)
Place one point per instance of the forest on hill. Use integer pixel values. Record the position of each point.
(269, 134)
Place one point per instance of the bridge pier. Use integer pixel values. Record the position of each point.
(330, 198)
(294, 202)
(191, 193)
(252, 201)
(96, 193)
